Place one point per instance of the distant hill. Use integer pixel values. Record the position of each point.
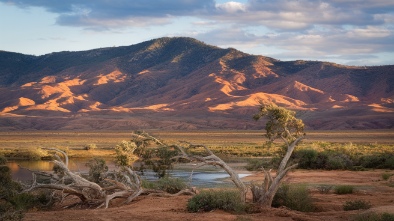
(182, 83)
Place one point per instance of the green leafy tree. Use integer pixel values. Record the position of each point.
(125, 153)
(281, 123)
(153, 153)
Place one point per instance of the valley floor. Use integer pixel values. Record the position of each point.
(368, 184)
(109, 139)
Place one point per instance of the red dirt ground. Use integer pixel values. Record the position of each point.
(368, 184)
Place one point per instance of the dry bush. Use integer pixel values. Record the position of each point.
(344, 189)
(208, 200)
(295, 197)
(356, 205)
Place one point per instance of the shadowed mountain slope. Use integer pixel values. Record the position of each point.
(182, 83)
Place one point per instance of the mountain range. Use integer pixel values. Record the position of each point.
(182, 84)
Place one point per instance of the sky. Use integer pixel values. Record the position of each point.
(349, 32)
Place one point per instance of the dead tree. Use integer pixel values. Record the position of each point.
(282, 124)
(122, 184)
(208, 159)
(212, 159)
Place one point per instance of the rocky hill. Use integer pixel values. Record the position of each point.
(182, 83)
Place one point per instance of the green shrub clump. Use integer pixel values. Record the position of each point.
(342, 158)
(259, 163)
(372, 216)
(13, 204)
(254, 164)
(327, 160)
(167, 184)
(307, 158)
(97, 168)
(344, 189)
(386, 176)
(227, 200)
(356, 205)
(295, 197)
(378, 161)
(171, 185)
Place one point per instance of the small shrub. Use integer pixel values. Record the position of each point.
(321, 160)
(125, 153)
(8, 191)
(36, 153)
(295, 197)
(324, 189)
(344, 189)
(306, 158)
(338, 162)
(387, 217)
(386, 176)
(171, 185)
(3, 160)
(167, 184)
(378, 161)
(7, 213)
(356, 205)
(227, 200)
(256, 164)
(13, 204)
(90, 146)
(146, 184)
(23, 201)
(97, 167)
(164, 161)
(367, 217)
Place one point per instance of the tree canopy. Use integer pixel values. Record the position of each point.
(281, 122)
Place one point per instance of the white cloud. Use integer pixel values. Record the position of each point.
(231, 7)
(340, 29)
(369, 32)
(204, 23)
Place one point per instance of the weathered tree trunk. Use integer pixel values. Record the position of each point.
(264, 194)
(87, 191)
(126, 184)
(214, 160)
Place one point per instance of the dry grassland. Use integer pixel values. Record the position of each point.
(108, 139)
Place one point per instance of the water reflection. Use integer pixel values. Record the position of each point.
(21, 169)
(206, 177)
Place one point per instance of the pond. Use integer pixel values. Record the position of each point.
(203, 177)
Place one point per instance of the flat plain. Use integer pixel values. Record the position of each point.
(109, 139)
(369, 184)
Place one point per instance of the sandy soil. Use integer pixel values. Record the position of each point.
(369, 186)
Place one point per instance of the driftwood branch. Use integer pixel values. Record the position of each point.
(214, 160)
(124, 183)
(87, 191)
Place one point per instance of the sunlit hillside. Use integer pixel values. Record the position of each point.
(182, 83)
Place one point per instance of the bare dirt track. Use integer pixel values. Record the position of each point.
(368, 184)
